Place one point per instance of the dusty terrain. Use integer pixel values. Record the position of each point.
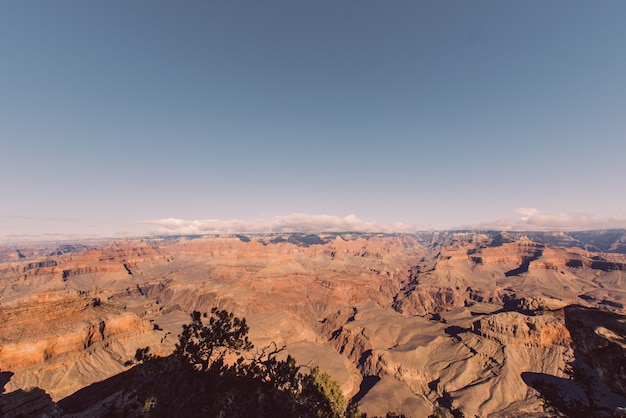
(462, 320)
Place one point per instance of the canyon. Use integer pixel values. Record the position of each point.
(468, 321)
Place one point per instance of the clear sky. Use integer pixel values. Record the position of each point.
(121, 117)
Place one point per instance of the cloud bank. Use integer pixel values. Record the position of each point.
(296, 222)
(22, 228)
(531, 219)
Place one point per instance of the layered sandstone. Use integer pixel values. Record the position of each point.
(47, 336)
(475, 365)
(513, 328)
(404, 323)
(503, 269)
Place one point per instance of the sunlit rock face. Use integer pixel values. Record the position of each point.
(60, 341)
(403, 322)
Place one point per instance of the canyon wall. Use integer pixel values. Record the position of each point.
(404, 322)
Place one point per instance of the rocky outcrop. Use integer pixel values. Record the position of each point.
(599, 338)
(60, 341)
(530, 304)
(518, 252)
(427, 299)
(39, 265)
(38, 333)
(76, 271)
(449, 363)
(514, 328)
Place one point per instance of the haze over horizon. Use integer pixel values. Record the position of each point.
(122, 119)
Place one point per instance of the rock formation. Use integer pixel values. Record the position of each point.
(404, 322)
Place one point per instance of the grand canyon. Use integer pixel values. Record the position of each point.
(468, 323)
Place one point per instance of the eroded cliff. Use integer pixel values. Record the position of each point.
(404, 323)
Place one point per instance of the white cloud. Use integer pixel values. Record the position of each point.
(531, 219)
(296, 222)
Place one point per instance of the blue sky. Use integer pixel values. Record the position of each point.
(433, 114)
